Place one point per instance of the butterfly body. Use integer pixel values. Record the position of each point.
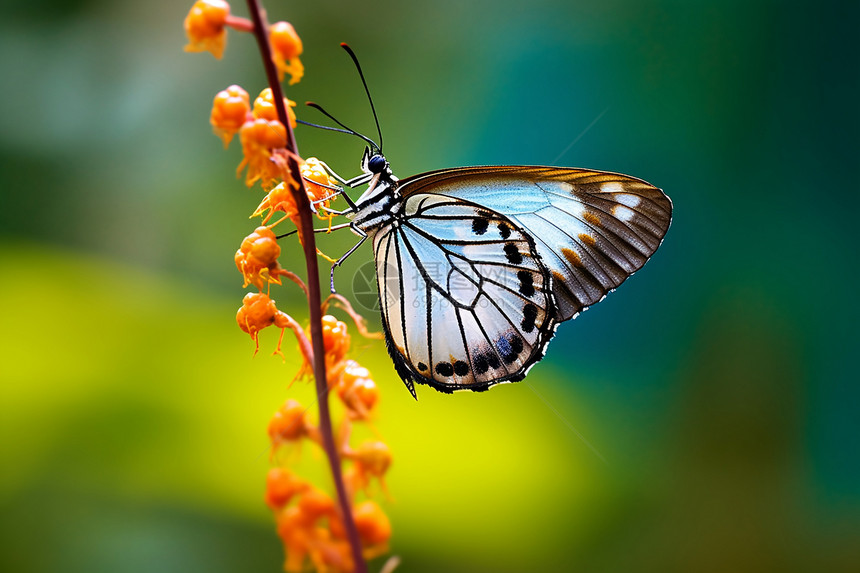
(477, 266)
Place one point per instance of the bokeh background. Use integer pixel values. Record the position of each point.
(719, 384)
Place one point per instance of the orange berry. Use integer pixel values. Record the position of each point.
(372, 523)
(204, 27)
(286, 49)
(288, 424)
(264, 107)
(229, 111)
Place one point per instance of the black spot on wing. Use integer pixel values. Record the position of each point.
(461, 368)
(480, 225)
(527, 287)
(516, 344)
(444, 369)
(512, 253)
(510, 348)
(530, 313)
(504, 230)
(481, 364)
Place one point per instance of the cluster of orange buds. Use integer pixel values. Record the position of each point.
(206, 27)
(308, 520)
(263, 138)
(320, 187)
(311, 529)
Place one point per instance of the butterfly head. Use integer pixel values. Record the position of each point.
(377, 163)
(374, 163)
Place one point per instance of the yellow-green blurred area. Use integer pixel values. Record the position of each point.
(719, 384)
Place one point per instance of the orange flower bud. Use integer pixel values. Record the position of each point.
(264, 133)
(286, 49)
(204, 27)
(288, 424)
(229, 112)
(281, 486)
(374, 457)
(314, 504)
(357, 390)
(372, 523)
(259, 138)
(316, 177)
(335, 338)
(280, 198)
(257, 258)
(264, 107)
(296, 538)
(259, 311)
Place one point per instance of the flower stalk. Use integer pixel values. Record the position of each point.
(308, 242)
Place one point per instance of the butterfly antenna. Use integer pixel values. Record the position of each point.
(366, 90)
(326, 127)
(345, 129)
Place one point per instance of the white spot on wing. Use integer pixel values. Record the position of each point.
(627, 199)
(623, 213)
(612, 187)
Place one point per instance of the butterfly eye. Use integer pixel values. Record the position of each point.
(376, 164)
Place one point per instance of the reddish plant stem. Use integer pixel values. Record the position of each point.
(239, 23)
(314, 300)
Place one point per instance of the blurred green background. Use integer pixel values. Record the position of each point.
(719, 384)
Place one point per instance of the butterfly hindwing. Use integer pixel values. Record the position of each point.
(466, 301)
(592, 229)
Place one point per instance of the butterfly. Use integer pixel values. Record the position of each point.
(477, 266)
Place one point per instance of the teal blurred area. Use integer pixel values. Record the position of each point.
(719, 385)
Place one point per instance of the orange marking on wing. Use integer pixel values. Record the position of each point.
(572, 258)
(587, 239)
(591, 218)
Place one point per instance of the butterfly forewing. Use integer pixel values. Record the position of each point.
(592, 229)
(465, 299)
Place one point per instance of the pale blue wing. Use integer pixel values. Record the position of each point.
(592, 229)
(465, 301)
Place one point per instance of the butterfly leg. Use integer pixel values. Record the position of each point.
(340, 261)
(323, 230)
(333, 212)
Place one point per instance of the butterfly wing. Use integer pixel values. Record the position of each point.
(592, 229)
(465, 300)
